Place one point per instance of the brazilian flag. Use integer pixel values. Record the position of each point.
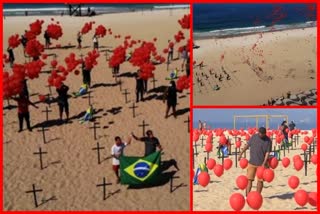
(140, 170)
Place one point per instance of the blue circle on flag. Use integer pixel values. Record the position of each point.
(141, 169)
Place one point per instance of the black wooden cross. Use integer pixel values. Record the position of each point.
(195, 147)
(154, 82)
(98, 148)
(104, 184)
(106, 54)
(120, 84)
(89, 98)
(202, 139)
(188, 122)
(133, 109)
(143, 125)
(47, 113)
(50, 91)
(40, 153)
(34, 191)
(95, 129)
(43, 130)
(125, 95)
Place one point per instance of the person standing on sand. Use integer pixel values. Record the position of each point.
(139, 87)
(11, 56)
(284, 128)
(24, 40)
(95, 42)
(86, 75)
(63, 100)
(188, 67)
(184, 56)
(116, 152)
(23, 111)
(79, 39)
(260, 147)
(151, 143)
(171, 96)
(47, 39)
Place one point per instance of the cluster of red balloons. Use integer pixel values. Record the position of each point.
(146, 70)
(54, 31)
(12, 84)
(179, 36)
(34, 48)
(183, 83)
(72, 62)
(87, 27)
(185, 21)
(302, 198)
(33, 68)
(101, 31)
(14, 41)
(55, 79)
(35, 29)
(91, 59)
(118, 57)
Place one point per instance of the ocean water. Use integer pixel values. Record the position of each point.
(229, 19)
(57, 9)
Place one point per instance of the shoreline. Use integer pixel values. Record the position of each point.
(98, 10)
(208, 35)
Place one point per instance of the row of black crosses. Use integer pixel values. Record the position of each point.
(295, 140)
(98, 148)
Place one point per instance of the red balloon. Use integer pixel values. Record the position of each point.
(314, 159)
(218, 170)
(223, 140)
(273, 162)
(42, 98)
(301, 197)
(208, 147)
(203, 179)
(298, 164)
(254, 200)
(211, 163)
(296, 157)
(285, 162)
(306, 139)
(76, 72)
(243, 163)
(313, 199)
(237, 201)
(242, 182)
(227, 164)
(238, 144)
(268, 175)
(195, 137)
(304, 147)
(293, 182)
(259, 172)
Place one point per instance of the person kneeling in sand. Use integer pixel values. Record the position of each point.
(260, 147)
(83, 90)
(88, 116)
(116, 152)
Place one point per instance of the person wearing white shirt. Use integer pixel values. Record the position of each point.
(116, 152)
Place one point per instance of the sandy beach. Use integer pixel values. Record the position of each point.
(277, 195)
(71, 170)
(255, 68)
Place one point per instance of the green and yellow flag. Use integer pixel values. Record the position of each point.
(140, 170)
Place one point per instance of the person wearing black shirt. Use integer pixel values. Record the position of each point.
(139, 87)
(63, 100)
(11, 56)
(151, 143)
(86, 75)
(171, 97)
(47, 39)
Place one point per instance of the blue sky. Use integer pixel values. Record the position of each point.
(301, 116)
